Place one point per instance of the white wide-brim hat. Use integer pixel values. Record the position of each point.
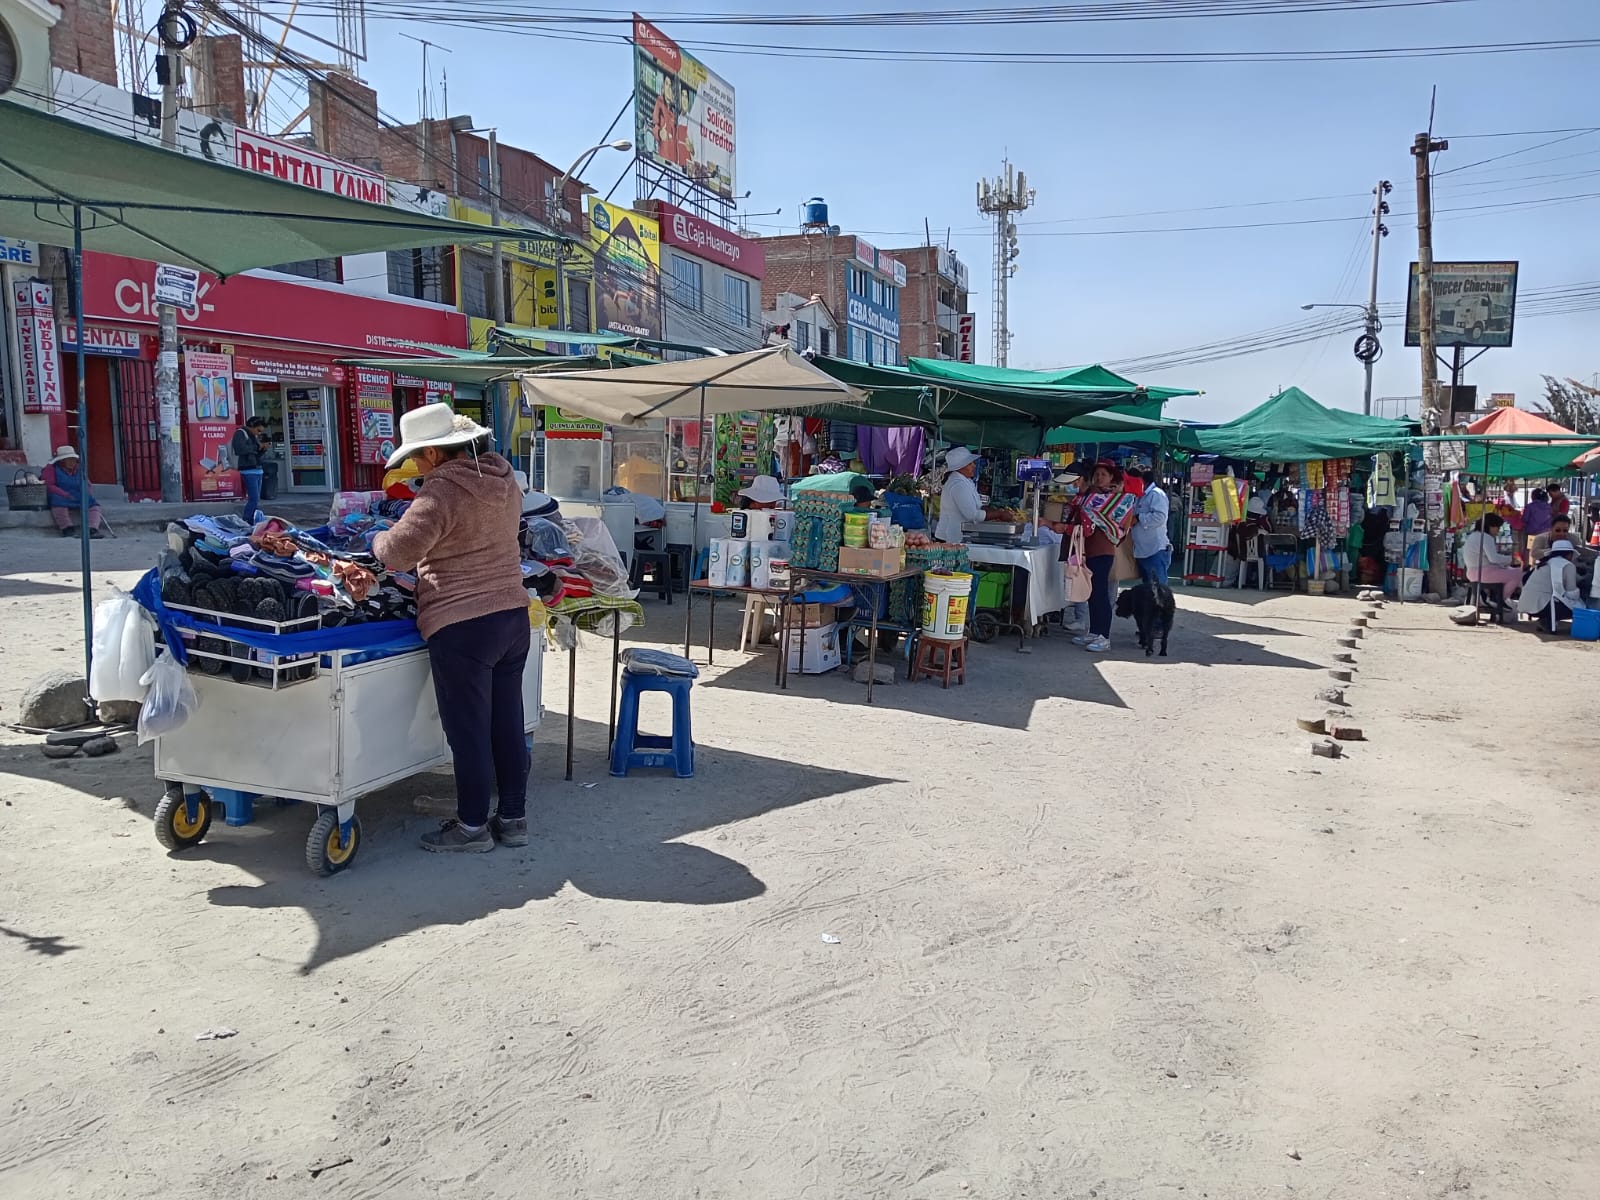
(763, 489)
(1562, 546)
(433, 425)
(958, 458)
(63, 453)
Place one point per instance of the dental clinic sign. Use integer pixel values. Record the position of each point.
(290, 163)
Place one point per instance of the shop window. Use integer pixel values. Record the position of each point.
(736, 299)
(891, 299)
(484, 175)
(477, 280)
(687, 283)
(324, 269)
(421, 275)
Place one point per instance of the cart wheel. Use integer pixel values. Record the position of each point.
(985, 627)
(174, 830)
(324, 855)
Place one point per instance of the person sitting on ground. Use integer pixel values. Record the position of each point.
(1484, 561)
(66, 488)
(1550, 593)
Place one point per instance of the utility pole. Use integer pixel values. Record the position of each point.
(169, 68)
(497, 297)
(1421, 148)
(1002, 198)
(1369, 349)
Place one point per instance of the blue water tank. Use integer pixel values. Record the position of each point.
(816, 211)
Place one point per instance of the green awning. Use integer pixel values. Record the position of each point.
(147, 202)
(1145, 401)
(1111, 425)
(1519, 458)
(1292, 427)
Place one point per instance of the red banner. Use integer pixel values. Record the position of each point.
(700, 237)
(40, 354)
(121, 290)
(210, 418)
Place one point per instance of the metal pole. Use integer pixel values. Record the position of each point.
(169, 422)
(694, 536)
(1425, 145)
(83, 447)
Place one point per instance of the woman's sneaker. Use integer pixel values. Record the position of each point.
(1083, 639)
(509, 833)
(453, 838)
(1097, 645)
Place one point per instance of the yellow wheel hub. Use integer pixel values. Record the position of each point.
(182, 826)
(337, 853)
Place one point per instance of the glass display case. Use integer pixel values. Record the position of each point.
(639, 459)
(689, 460)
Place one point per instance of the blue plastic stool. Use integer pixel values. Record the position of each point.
(634, 749)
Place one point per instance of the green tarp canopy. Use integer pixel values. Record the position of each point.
(146, 202)
(1292, 427)
(1501, 458)
(1148, 406)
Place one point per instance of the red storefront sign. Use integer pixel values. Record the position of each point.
(36, 341)
(296, 164)
(122, 290)
(106, 343)
(966, 337)
(210, 420)
(269, 366)
(700, 237)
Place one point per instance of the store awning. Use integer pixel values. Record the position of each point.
(758, 380)
(1095, 376)
(1494, 457)
(1292, 427)
(1111, 425)
(1518, 423)
(146, 202)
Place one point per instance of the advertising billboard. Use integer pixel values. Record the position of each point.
(211, 418)
(683, 113)
(1474, 304)
(627, 269)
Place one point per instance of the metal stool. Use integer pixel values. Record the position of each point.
(634, 749)
(938, 657)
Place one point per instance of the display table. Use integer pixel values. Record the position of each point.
(878, 586)
(1047, 586)
(711, 589)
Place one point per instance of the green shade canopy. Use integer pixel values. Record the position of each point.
(146, 202)
(1292, 427)
(1096, 377)
(1111, 425)
(1503, 458)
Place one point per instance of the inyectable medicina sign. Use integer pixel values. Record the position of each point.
(683, 113)
(1474, 304)
(627, 269)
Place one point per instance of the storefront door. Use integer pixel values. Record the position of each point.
(299, 419)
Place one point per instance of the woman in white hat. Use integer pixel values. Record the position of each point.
(764, 492)
(959, 503)
(66, 487)
(460, 537)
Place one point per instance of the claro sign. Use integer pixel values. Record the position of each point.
(700, 237)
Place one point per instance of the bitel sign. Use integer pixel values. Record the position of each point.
(1474, 304)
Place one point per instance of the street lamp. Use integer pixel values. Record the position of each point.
(1367, 349)
(557, 197)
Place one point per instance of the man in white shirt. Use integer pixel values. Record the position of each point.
(1551, 591)
(958, 497)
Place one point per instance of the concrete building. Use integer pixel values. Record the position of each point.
(711, 280)
(933, 303)
(804, 322)
(851, 277)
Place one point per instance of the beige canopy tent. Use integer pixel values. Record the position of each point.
(758, 380)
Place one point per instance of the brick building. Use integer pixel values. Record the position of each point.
(932, 304)
(852, 278)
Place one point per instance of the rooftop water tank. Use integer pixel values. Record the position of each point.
(815, 211)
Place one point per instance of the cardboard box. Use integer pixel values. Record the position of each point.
(859, 560)
(811, 616)
(822, 650)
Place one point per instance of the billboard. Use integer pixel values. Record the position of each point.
(1474, 304)
(627, 269)
(682, 113)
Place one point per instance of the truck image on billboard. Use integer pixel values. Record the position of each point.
(683, 112)
(1474, 304)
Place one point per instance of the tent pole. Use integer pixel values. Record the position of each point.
(83, 448)
(694, 537)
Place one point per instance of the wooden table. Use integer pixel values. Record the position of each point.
(704, 585)
(851, 579)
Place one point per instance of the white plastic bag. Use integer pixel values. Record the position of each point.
(122, 648)
(170, 700)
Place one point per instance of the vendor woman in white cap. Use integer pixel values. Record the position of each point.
(460, 537)
(958, 499)
(764, 492)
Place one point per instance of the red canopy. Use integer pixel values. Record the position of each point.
(1512, 422)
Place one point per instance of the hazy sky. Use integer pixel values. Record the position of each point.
(891, 143)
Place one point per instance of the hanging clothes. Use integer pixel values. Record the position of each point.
(896, 450)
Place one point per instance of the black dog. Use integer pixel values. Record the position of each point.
(1152, 608)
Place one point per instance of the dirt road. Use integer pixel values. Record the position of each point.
(1105, 928)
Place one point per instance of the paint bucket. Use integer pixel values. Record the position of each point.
(944, 605)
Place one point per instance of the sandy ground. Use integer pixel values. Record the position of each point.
(1106, 929)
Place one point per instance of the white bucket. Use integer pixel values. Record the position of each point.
(1409, 581)
(944, 605)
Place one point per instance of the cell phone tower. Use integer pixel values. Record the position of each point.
(1002, 198)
